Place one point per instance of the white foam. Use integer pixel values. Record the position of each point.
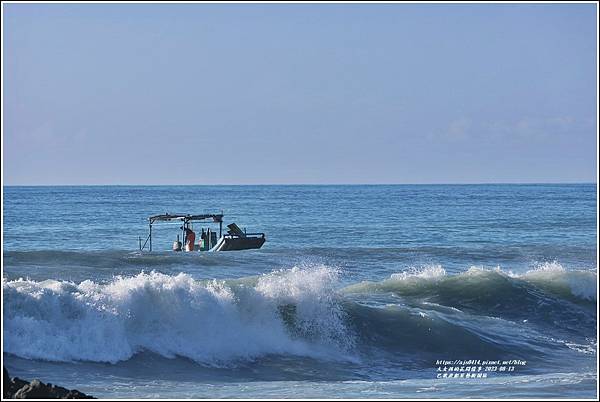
(428, 272)
(210, 322)
(582, 284)
(312, 292)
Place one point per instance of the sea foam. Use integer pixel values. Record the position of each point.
(211, 322)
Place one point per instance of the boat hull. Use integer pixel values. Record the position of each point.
(238, 243)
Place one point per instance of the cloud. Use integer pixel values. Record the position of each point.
(538, 128)
(525, 128)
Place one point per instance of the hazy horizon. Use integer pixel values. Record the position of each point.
(302, 184)
(299, 94)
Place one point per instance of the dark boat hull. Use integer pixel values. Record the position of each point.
(239, 243)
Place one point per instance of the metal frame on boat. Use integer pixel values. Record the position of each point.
(234, 239)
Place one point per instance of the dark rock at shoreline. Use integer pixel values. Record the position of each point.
(21, 389)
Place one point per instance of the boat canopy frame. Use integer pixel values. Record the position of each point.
(186, 219)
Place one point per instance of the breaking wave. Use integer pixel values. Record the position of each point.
(303, 311)
(210, 322)
(551, 277)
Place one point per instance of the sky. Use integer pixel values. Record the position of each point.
(299, 93)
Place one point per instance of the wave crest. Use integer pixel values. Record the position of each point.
(301, 312)
(210, 322)
(551, 277)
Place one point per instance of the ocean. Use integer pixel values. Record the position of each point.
(383, 291)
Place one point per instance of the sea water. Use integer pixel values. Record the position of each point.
(359, 292)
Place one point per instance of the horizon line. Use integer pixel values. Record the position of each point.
(301, 184)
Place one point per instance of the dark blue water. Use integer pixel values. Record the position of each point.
(358, 291)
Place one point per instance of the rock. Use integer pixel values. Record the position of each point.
(17, 384)
(6, 383)
(34, 390)
(20, 389)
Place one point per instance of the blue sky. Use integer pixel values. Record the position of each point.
(299, 93)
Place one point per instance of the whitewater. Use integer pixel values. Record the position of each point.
(327, 308)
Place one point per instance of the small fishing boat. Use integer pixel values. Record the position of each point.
(234, 239)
